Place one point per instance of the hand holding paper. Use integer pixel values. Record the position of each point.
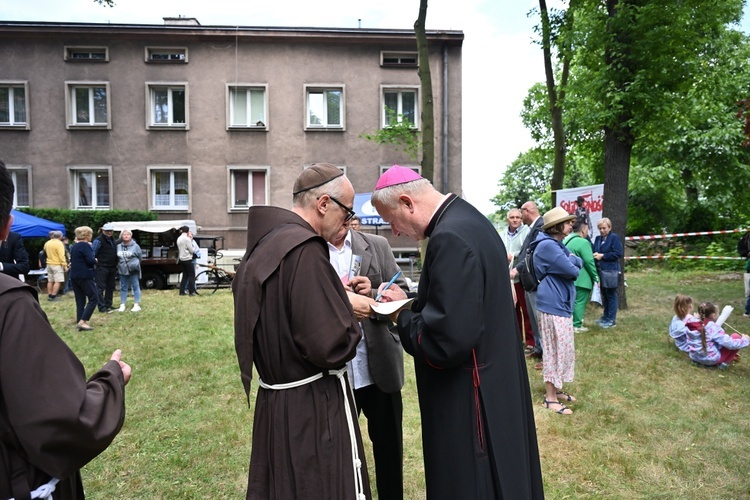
(388, 308)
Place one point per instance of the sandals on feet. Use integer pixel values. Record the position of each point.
(564, 410)
(565, 396)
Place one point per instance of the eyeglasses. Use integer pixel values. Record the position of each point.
(349, 212)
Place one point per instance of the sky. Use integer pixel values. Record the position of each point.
(500, 60)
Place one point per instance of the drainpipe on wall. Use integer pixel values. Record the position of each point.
(445, 119)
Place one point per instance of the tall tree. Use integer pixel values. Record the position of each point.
(425, 78)
(555, 93)
(636, 61)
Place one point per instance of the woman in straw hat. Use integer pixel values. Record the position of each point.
(556, 269)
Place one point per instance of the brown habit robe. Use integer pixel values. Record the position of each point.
(52, 421)
(294, 320)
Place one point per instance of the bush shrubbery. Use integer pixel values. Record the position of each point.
(72, 219)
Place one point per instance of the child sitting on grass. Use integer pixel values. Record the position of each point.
(684, 325)
(715, 347)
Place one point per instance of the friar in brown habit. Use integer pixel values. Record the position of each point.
(52, 421)
(295, 321)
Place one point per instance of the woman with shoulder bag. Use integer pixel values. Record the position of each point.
(557, 269)
(129, 267)
(608, 252)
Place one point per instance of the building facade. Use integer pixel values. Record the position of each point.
(202, 122)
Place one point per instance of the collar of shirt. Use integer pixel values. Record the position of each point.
(341, 258)
(514, 233)
(440, 204)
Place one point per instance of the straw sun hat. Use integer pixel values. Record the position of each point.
(556, 216)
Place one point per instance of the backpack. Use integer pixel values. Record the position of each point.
(743, 246)
(527, 276)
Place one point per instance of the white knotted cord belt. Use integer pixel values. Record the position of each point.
(45, 491)
(341, 375)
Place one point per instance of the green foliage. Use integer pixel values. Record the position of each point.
(399, 132)
(680, 77)
(105, 3)
(675, 248)
(95, 219)
(527, 178)
(674, 262)
(716, 249)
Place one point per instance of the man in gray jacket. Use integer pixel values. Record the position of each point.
(377, 371)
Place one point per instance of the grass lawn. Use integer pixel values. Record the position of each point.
(647, 424)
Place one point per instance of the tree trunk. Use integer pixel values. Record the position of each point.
(618, 146)
(425, 78)
(556, 98)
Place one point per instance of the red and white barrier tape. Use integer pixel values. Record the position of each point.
(660, 256)
(676, 235)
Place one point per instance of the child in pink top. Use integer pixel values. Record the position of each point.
(714, 347)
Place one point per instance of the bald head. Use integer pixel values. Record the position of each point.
(529, 212)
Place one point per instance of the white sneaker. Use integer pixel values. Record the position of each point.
(135, 308)
(580, 329)
(121, 308)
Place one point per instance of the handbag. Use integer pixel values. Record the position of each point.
(609, 278)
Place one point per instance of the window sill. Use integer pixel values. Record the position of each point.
(25, 126)
(325, 129)
(399, 65)
(179, 127)
(170, 210)
(237, 128)
(76, 126)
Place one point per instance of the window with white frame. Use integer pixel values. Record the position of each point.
(167, 54)
(247, 107)
(399, 59)
(416, 168)
(399, 105)
(22, 182)
(88, 104)
(91, 188)
(248, 187)
(14, 108)
(170, 188)
(167, 105)
(90, 54)
(324, 107)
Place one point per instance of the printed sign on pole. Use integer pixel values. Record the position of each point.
(593, 200)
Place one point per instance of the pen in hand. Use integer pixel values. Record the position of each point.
(393, 280)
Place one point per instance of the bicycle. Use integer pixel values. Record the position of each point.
(213, 277)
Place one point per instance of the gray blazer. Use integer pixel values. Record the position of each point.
(385, 354)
